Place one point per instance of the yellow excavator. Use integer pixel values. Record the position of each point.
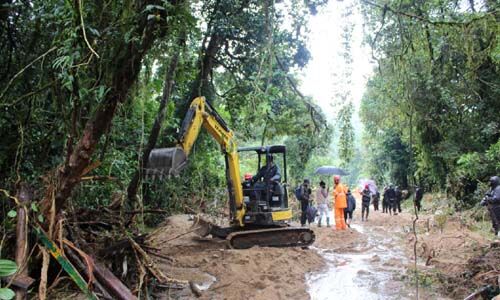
(259, 209)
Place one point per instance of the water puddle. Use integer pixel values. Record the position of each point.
(370, 272)
(207, 282)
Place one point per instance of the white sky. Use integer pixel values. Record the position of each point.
(325, 46)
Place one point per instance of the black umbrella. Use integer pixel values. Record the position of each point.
(330, 170)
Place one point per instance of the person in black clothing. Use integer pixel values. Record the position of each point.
(375, 200)
(269, 172)
(492, 201)
(365, 203)
(267, 176)
(391, 197)
(351, 206)
(305, 192)
(385, 201)
(419, 194)
(399, 198)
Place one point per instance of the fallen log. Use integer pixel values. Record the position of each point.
(84, 270)
(112, 284)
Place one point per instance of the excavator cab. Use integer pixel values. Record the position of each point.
(266, 192)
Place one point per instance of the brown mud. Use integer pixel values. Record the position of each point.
(373, 259)
(256, 273)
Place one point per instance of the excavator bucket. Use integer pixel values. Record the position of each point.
(166, 162)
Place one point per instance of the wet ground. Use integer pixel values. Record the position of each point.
(368, 261)
(371, 266)
(368, 271)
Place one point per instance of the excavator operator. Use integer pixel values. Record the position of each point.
(268, 172)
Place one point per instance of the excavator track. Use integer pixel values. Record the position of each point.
(272, 237)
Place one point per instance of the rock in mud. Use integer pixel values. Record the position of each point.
(375, 258)
(363, 272)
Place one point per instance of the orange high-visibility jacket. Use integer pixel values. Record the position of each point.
(340, 196)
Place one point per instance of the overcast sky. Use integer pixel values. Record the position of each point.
(325, 45)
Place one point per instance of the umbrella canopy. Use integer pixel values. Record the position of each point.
(330, 170)
(371, 185)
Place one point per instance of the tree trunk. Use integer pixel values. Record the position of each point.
(202, 85)
(127, 59)
(155, 130)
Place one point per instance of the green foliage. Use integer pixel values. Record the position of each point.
(437, 87)
(346, 140)
(471, 169)
(388, 158)
(45, 108)
(6, 294)
(469, 163)
(493, 156)
(7, 268)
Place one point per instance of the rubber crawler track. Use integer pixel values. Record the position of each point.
(273, 237)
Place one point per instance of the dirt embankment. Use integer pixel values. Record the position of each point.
(452, 258)
(256, 273)
(452, 255)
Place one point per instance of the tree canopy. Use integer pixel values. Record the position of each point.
(432, 106)
(83, 83)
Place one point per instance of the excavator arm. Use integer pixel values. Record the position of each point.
(171, 161)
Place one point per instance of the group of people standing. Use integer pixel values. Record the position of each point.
(344, 202)
(392, 200)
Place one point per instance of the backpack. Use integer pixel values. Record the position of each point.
(299, 193)
(311, 213)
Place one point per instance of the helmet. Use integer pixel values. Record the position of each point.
(494, 181)
(336, 178)
(248, 176)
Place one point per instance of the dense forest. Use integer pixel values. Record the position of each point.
(89, 88)
(431, 109)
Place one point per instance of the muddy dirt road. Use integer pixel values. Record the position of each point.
(368, 261)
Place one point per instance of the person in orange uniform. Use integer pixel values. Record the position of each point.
(340, 201)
